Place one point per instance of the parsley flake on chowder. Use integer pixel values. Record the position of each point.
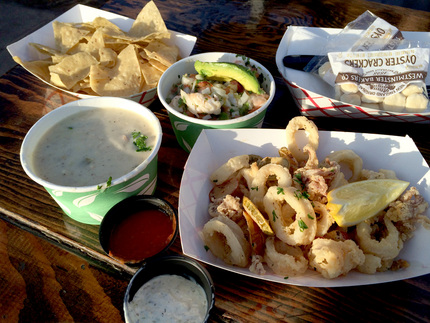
(213, 96)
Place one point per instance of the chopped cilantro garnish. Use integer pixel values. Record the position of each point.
(223, 116)
(108, 183)
(280, 190)
(302, 225)
(244, 109)
(275, 216)
(310, 216)
(139, 141)
(298, 178)
(206, 248)
(301, 194)
(255, 188)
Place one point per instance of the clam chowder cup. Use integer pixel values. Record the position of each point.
(89, 204)
(187, 129)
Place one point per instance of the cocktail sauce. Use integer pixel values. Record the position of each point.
(141, 235)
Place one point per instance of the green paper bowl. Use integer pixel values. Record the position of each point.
(89, 204)
(187, 129)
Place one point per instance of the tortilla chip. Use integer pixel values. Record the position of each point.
(43, 49)
(103, 22)
(149, 21)
(38, 68)
(96, 42)
(124, 79)
(107, 57)
(165, 54)
(150, 73)
(71, 69)
(67, 36)
(158, 65)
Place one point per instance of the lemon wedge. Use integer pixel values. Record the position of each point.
(355, 202)
(256, 215)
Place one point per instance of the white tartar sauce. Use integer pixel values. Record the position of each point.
(168, 298)
(90, 146)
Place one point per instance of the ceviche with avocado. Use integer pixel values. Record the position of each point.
(218, 91)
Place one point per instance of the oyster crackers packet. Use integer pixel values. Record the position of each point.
(378, 70)
(391, 80)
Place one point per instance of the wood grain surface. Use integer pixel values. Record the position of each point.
(52, 268)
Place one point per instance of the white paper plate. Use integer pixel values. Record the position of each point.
(215, 146)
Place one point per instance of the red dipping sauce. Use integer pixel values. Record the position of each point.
(141, 235)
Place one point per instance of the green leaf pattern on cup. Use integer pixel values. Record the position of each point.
(181, 126)
(95, 216)
(135, 184)
(85, 200)
(186, 144)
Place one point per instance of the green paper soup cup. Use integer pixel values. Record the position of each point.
(81, 198)
(187, 129)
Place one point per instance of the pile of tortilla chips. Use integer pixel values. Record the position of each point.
(98, 58)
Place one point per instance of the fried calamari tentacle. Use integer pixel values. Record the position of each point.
(286, 154)
(283, 259)
(284, 162)
(349, 158)
(229, 206)
(381, 239)
(334, 258)
(226, 241)
(257, 265)
(292, 128)
(292, 219)
(367, 174)
(407, 211)
(312, 161)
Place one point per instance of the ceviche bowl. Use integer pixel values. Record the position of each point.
(89, 202)
(187, 128)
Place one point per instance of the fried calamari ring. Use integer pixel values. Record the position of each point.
(225, 239)
(258, 186)
(283, 259)
(324, 220)
(234, 164)
(311, 129)
(249, 174)
(292, 219)
(349, 158)
(387, 247)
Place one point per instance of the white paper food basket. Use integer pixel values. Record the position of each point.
(377, 151)
(82, 13)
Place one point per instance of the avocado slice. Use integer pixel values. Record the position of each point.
(224, 71)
